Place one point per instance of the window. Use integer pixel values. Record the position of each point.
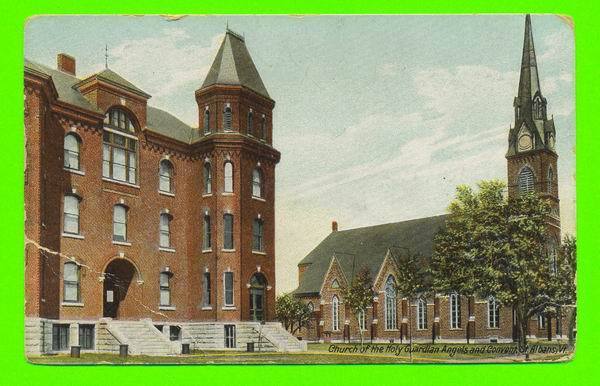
(552, 258)
(335, 284)
(165, 289)
(228, 231)
(71, 149)
(390, 304)
(206, 289)
(421, 314)
(454, 311)
(71, 215)
(165, 183)
(227, 118)
(493, 313)
(230, 336)
(119, 154)
(174, 333)
(550, 180)
(206, 121)
(165, 230)
(362, 320)
(71, 282)
(526, 180)
(228, 284)
(228, 177)
(250, 125)
(257, 235)
(256, 183)
(335, 313)
(263, 128)
(207, 178)
(311, 307)
(541, 321)
(86, 336)
(60, 337)
(206, 240)
(120, 223)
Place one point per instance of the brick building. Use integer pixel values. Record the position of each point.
(132, 215)
(532, 166)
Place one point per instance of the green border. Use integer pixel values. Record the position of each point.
(14, 368)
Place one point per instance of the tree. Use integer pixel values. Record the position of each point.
(567, 270)
(359, 295)
(292, 312)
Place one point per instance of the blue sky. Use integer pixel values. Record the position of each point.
(378, 118)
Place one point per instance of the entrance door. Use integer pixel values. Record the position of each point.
(117, 278)
(257, 297)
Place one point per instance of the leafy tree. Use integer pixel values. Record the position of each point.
(567, 269)
(292, 312)
(359, 295)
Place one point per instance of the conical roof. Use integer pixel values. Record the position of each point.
(529, 82)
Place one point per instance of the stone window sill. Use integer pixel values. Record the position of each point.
(166, 249)
(207, 195)
(169, 194)
(120, 182)
(206, 308)
(229, 308)
(74, 171)
(167, 308)
(227, 194)
(258, 199)
(73, 236)
(207, 250)
(227, 250)
(71, 304)
(125, 243)
(259, 253)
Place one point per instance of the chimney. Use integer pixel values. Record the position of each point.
(65, 63)
(334, 226)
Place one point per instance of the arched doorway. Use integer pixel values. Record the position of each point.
(118, 276)
(258, 285)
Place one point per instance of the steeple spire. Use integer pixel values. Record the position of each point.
(529, 82)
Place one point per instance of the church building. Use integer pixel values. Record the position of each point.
(331, 265)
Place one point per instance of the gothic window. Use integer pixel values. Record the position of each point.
(257, 235)
(454, 311)
(550, 180)
(228, 231)
(206, 121)
(250, 122)
(335, 313)
(362, 320)
(207, 178)
(526, 180)
(311, 307)
(541, 321)
(263, 127)
(71, 152)
(552, 257)
(165, 230)
(119, 154)
(206, 289)
(71, 214)
(165, 289)
(228, 290)
(120, 223)
(335, 284)
(493, 313)
(228, 177)
(227, 118)
(165, 176)
(256, 183)
(71, 292)
(421, 314)
(538, 108)
(206, 239)
(390, 304)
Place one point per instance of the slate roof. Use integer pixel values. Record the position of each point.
(157, 120)
(367, 247)
(233, 65)
(110, 76)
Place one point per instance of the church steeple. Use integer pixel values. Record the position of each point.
(529, 82)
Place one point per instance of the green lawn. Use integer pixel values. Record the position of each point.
(322, 353)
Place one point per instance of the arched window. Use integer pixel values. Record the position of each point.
(493, 313)
(71, 214)
(207, 178)
(206, 289)
(335, 313)
(227, 231)
(550, 180)
(552, 257)
(165, 230)
(227, 118)
(263, 127)
(526, 180)
(454, 310)
(71, 276)
(311, 307)
(165, 183)
(206, 240)
(256, 183)
(421, 314)
(257, 235)
(228, 288)
(71, 152)
(165, 289)
(120, 223)
(250, 123)
(362, 320)
(119, 154)
(390, 303)
(228, 177)
(541, 321)
(206, 121)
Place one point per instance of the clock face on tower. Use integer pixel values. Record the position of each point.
(525, 142)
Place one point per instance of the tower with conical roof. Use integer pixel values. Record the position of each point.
(531, 155)
(238, 161)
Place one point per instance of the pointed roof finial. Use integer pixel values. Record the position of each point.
(106, 56)
(529, 83)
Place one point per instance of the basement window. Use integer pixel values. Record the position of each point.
(230, 336)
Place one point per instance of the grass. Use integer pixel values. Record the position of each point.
(323, 353)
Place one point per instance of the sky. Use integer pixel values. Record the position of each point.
(377, 118)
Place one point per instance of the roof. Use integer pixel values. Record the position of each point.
(157, 120)
(110, 76)
(233, 65)
(529, 82)
(367, 247)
